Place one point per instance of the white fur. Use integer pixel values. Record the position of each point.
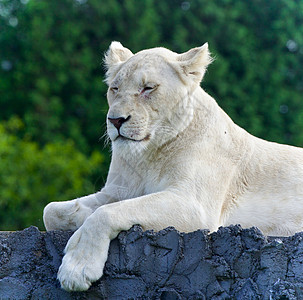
(182, 163)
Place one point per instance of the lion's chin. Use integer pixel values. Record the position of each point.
(127, 147)
(127, 139)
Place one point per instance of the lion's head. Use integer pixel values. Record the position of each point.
(149, 94)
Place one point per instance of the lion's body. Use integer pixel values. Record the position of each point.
(178, 160)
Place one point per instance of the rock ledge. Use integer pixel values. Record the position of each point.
(232, 263)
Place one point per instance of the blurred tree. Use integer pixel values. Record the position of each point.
(51, 54)
(54, 83)
(30, 176)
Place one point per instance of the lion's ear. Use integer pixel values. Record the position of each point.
(116, 54)
(195, 61)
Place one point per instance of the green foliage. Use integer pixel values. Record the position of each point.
(51, 75)
(55, 50)
(30, 176)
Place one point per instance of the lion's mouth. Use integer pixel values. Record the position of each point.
(122, 137)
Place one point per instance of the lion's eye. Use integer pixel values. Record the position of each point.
(114, 89)
(147, 89)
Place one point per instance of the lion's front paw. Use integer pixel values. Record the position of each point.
(73, 275)
(77, 273)
(83, 262)
(65, 215)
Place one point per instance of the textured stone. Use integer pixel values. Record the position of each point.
(232, 263)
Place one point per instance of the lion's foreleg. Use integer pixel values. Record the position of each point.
(154, 211)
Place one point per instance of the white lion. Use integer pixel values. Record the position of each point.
(177, 160)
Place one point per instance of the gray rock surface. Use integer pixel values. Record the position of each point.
(232, 263)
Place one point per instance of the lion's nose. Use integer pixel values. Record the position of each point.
(117, 122)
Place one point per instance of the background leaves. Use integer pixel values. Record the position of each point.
(52, 94)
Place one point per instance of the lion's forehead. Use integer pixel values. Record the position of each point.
(143, 67)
